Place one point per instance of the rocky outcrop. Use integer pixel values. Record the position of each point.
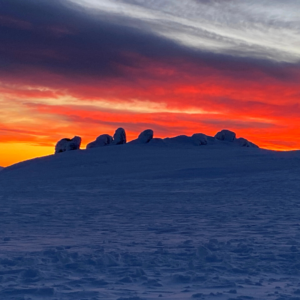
(199, 139)
(245, 143)
(146, 136)
(225, 135)
(68, 144)
(101, 141)
(119, 137)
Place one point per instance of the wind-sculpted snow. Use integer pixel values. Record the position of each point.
(244, 143)
(101, 141)
(199, 139)
(68, 144)
(152, 221)
(225, 135)
(119, 137)
(144, 137)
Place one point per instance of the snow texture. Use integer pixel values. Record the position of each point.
(245, 143)
(179, 140)
(157, 142)
(170, 221)
(119, 137)
(68, 144)
(225, 135)
(102, 140)
(196, 139)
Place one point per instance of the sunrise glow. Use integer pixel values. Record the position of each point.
(198, 66)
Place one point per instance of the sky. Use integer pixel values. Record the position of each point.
(87, 67)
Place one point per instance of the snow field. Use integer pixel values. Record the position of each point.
(152, 221)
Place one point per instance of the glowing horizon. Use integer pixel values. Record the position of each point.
(18, 152)
(194, 66)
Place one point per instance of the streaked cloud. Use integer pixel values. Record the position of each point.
(261, 29)
(85, 67)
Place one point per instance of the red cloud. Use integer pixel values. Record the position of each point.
(189, 100)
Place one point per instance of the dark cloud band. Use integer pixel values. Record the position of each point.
(63, 38)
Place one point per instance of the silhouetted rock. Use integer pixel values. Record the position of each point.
(225, 135)
(245, 143)
(101, 140)
(199, 139)
(119, 137)
(68, 144)
(146, 136)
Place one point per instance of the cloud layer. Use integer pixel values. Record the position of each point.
(86, 67)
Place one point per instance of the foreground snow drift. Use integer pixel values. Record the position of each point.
(148, 221)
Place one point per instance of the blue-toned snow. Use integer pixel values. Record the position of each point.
(152, 221)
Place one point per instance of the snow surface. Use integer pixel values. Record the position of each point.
(161, 220)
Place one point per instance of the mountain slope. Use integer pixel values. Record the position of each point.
(140, 221)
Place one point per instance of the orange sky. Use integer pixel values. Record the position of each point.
(86, 76)
(35, 117)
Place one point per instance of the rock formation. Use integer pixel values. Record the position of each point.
(119, 137)
(199, 139)
(245, 143)
(68, 144)
(102, 140)
(225, 135)
(146, 136)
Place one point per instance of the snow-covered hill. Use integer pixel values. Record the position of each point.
(145, 221)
